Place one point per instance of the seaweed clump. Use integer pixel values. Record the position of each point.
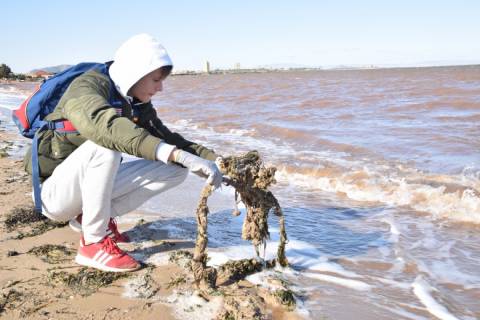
(242, 306)
(286, 298)
(26, 217)
(52, 253)
(251, 180)
(237, 270)
(239, 302)
(86, 281)
(19, 217)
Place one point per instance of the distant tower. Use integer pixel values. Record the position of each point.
(237, 66)
(207, 66)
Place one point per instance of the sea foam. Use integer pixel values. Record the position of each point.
(423, 291)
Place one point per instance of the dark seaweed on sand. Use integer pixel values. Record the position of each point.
(86, 281)
(28, 223)
(52, 253)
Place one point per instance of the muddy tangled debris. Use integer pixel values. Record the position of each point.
(242, 305)
(240, 301)
(233, 271)
(250, 179)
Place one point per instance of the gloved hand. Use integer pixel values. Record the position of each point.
(199, 166)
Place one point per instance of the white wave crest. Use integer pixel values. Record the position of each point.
(415, 190)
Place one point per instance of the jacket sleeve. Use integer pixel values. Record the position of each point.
(148, 119)
(86, 106)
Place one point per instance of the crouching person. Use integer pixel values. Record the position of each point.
(84, 179)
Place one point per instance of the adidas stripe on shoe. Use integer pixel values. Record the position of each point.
(106, 256)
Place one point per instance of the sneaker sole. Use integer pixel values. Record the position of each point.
(84, 261)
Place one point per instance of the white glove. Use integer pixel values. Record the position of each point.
(201, 167)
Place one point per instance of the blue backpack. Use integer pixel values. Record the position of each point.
(30, 116)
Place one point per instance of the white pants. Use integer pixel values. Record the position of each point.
(92, 181)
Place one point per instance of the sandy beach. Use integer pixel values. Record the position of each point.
(34, 268)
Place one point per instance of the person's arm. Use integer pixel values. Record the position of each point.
(148, 119)
(85, 104)
(196, 158)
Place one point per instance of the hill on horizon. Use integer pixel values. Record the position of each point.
(53, 69)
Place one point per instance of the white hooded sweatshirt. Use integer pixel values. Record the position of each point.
(137, 57)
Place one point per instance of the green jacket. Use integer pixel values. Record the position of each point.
(85, 105)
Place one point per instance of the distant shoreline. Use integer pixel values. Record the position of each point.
(284, 70)
(307, 69)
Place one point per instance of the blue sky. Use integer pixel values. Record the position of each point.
(252, 33)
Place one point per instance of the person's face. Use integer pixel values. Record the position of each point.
(145, 88)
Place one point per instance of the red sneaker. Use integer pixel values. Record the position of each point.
(106, 256)
(116, 235)
(76, 225)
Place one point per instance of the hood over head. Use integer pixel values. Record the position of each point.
(137, 57)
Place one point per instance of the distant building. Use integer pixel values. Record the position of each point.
(207, 67)
(237, 66)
